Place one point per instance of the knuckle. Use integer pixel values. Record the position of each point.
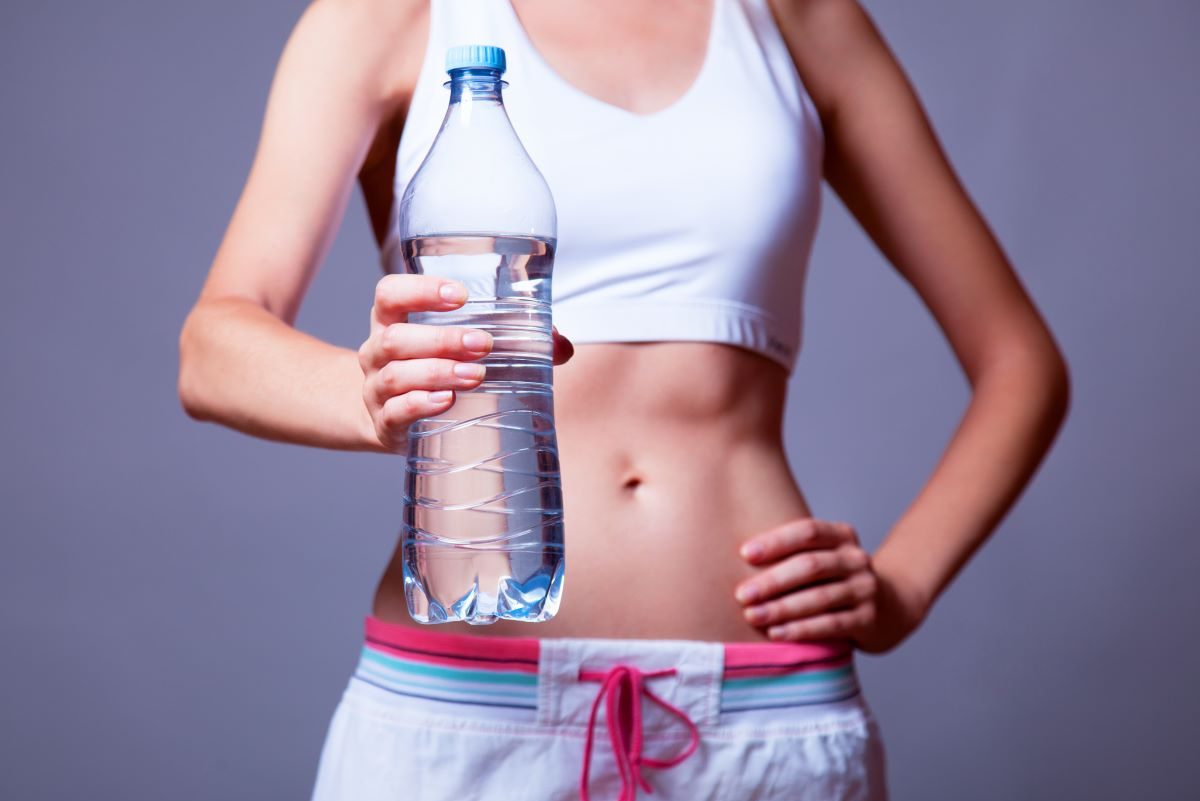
(371, 394)
(383, 428)
(389, 378)
(398, 411)
(791, 538)
(433, 373)
(843, 531)
(393, 337)
(788, 538)
(388, 413)
(870, 583)
(772, 612)
(406, 411)
(807, 629)
(413, 405)
(817, 600)
(850, 594)
(446, 375)
(853, 557)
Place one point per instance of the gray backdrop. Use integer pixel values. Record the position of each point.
(181, 605)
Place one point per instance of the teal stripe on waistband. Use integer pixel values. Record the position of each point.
(808, 677)
(781, 693)
(449, 673)
(460, 690)
(407, 687)
(458, 681)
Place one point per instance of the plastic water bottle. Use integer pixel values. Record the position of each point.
(483, 520)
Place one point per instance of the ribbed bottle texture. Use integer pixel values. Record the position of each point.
(483, 517)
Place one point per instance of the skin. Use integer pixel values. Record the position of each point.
(717, 549)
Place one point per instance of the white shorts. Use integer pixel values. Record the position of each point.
(430, 716)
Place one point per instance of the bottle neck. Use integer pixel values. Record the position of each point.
(475, 86)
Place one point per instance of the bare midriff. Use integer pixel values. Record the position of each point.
(672, 456)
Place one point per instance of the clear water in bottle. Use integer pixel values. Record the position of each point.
(483, 528)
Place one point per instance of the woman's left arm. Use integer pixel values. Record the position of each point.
(884, 161)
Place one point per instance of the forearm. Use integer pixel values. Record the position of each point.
(1017, 405)
(243, 367)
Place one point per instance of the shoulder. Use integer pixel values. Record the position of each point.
(827, 39)
(381, 42)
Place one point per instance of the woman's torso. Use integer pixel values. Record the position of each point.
(671, 452)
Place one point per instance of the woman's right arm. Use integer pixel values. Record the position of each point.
(242, 363)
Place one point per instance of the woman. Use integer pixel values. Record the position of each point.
(723, 659)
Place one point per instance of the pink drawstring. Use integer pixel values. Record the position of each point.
(624, 687)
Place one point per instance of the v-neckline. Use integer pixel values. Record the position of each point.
(692, 88)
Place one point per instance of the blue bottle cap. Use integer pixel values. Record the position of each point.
(487, 57)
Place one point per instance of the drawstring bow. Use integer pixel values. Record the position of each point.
(623, 687)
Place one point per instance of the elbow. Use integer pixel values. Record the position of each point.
(1048, 382)
(189, 383)
(1054, 379)
(1049, 395)
(1036, 370)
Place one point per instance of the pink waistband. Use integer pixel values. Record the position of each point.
(742, 659)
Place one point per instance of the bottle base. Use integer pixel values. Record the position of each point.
(486, 596)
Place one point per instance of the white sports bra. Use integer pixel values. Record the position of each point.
(693, 223)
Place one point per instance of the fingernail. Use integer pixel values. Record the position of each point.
(470, 371)
(752, 550)
(441, 396)
(452, 292)
(776, 632)
(747, 593)
(756, 614)
(478, 341)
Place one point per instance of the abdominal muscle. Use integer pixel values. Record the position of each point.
(671, 457)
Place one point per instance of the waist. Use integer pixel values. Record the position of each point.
(666, 470)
